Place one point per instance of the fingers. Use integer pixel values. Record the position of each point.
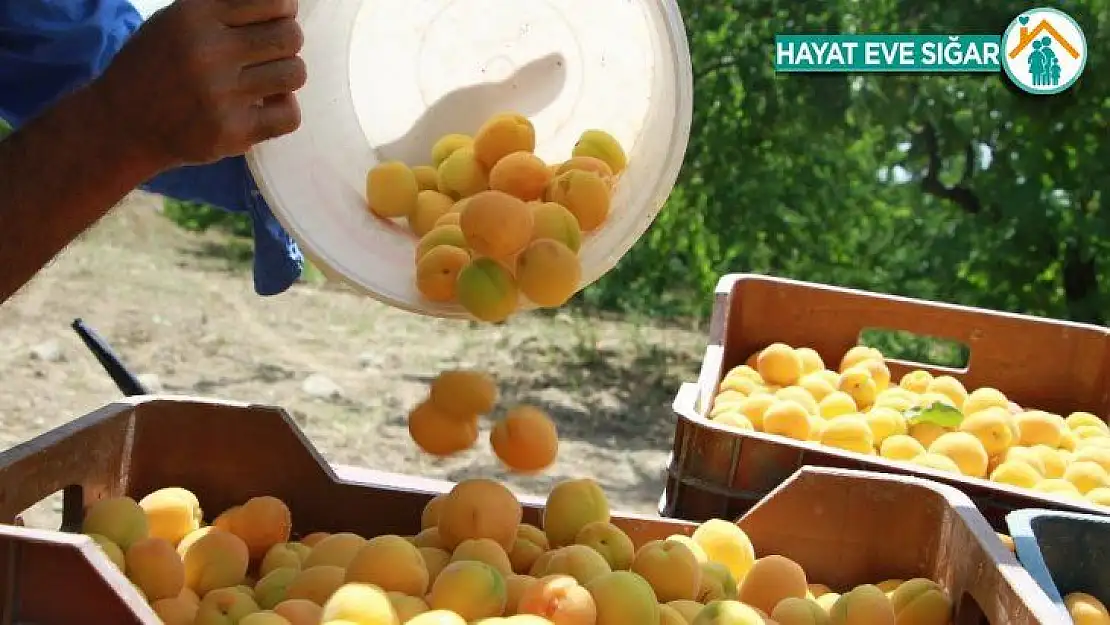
(268, 41)
(274, 78)
(277, 115)
(243, 12)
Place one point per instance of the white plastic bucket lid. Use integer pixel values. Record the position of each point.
(387, 78)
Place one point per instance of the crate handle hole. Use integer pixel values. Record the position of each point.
(968, 612)
(916, 348)
(56, 511)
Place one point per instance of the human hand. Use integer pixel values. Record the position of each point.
(205, 79)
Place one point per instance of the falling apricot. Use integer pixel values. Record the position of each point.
(487, 290)
(391, 189)
(551, 220)
(448, 145)
(601, 145)
(438, 271)
(440, 235)
(502, 135)
(583, 193)
(430, 206)
(461, 175)
(463, 393)
(548, 273)
(525, 440)
(522, 175)
(496, 224)
(440, 434)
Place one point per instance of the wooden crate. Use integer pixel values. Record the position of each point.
(1040, 363)
(837, 524)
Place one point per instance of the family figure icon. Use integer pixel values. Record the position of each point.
(1044, 67)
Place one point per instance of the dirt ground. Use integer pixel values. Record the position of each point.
(180, 310)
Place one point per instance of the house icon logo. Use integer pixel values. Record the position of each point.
(1044, 51)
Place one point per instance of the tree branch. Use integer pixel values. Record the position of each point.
(720, 64)
(960, 193)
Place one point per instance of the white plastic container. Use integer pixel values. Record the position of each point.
(389, 77)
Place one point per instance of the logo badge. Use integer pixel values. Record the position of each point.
(1044, 51)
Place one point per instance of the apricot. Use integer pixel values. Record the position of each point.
(262, 522)
(335, 550)
(795, 611)
(770, 580)
(1036, 427)
(1015, 473)
(487, 290)
(670, 567)
(520, 174)
(728, 612)
(273, 587)
(585, 194)
(119, 519)
(439, 434)
(461, 175)
(430, 206)
(525, 440)
(359, 603)
(502, 135)
(171, 513)
(447, 219)
(726, 543)
(611, 542)
(427, 178)
(391, 189)
(154, 566)
(312, 539)
(788, 418)
(515, 587)
(175, 610)
(406, 606)
(857, 382)
(437, 273)
(449, 235)
(921, 601)
(548, 273)
(224, 605)
(496, 224)
(281, 555)
(437, 617)
(848, 433)
(950, 387)
(264, 617)
(579, 561)
(800, 395)
(480, 508)
(571, 505)
(316, 583)
(463, 393)
(1085, 609)
(434, 560)
(560, 599)
(717, 583)
(963, 449)
(215, 559)
(110, 549)
(1086, 475)
(602, 146)
(299, 611)
(430, 538)
(471, 589)
(429, 516)
(863, 605)
(484, 550)
(688, 609)
(937, 462)
(916, 381)
(447, 145)
(586, 163)
(623, 598)
(529, 545)
(390, 563)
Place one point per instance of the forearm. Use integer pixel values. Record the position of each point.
(59, 174)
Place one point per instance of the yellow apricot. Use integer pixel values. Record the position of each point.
(390, 563)
(359, 603)
(787, 418)
(119, 519)
(857, 355)
(447, 219)
(799, 611)
(585, 194)
(391, 189)
(849, 434)
(670, 567)
(502, 135)
(110, 549)
(471, 589)
(799, 395)
(950, 387)
(299, 611)
(717, 582)
(585, 163)
(440, 235)
(225, 605)
(578, 561)
(603, 146)
(529, 545)
(989, 424)
(217, 559)
(487, 290)
(447, 145)
(551, 220)
(316, 584)
(520, 174)
(623, 597)
(1015, 473)
(154, 566)
(526, 440)
(434, 560)
(171, 513)
(963, 449)
(884, 423)
(272, 588)
(480, 508)
(430, 537)
(438, 433)
(779, 364)
(427, 179)
(726, 543)
(548, 273)
(1086, 475)
(613, 544)
(437, 272)
(463, 393)
(461, 175)
(921, 601)
(728, 612)
(863, 605)
(571, 505)
(857, 382)
(484, 550)
(430, 206)
(837, 403)
(175, 611)
(334, 550)
(937, 462)
(1036, 427)
(496, 224)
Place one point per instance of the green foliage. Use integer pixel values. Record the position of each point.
(199, 217)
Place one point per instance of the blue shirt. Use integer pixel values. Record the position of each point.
(50, 47)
